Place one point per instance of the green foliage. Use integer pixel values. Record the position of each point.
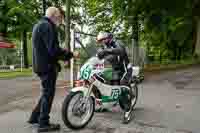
(165, 27)
(17, 16)
(8, 57)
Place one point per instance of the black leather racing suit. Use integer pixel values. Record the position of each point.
(116, 54)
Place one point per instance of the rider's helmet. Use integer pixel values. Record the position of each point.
(104, 37)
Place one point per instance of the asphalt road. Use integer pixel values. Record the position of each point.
(168, 103)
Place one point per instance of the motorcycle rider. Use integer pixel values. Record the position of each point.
(114, 52)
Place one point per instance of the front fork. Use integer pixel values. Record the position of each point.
(87, 96)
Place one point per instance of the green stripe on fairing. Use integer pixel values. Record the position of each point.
(107, 99)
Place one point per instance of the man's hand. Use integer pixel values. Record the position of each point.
(76, 54)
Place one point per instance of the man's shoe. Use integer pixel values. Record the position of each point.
(49, 128)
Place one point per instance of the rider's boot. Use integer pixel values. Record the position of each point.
(127, 96)
(127, 116)
(128, 109)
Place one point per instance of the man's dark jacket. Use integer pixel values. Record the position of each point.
(46, 50)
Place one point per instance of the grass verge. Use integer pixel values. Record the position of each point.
(16, 73)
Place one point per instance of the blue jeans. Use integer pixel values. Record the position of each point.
(43, 108)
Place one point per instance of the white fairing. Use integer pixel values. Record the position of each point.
(104, 88)
(81, 88)
(95, 64)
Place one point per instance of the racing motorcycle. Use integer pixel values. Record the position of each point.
(93, 93)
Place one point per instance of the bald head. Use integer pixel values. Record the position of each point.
(52, 11)
(54, 15)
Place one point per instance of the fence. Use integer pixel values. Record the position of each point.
(7, 68)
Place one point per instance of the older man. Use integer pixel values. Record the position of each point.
(46, 54)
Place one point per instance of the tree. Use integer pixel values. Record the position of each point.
(165, 22)
(196, 26)
(17, 18)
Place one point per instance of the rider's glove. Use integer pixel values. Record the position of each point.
(67, 55)
(101, 54)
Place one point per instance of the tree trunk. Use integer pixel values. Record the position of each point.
(160, 56)
(67, 20)
(2, 60)
(174, 50)
(44, 4)
(25, 50)
(197, 43)
(179, 53)
(194, 35)
(135, 34)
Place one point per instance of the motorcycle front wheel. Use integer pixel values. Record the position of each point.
(77, 110)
